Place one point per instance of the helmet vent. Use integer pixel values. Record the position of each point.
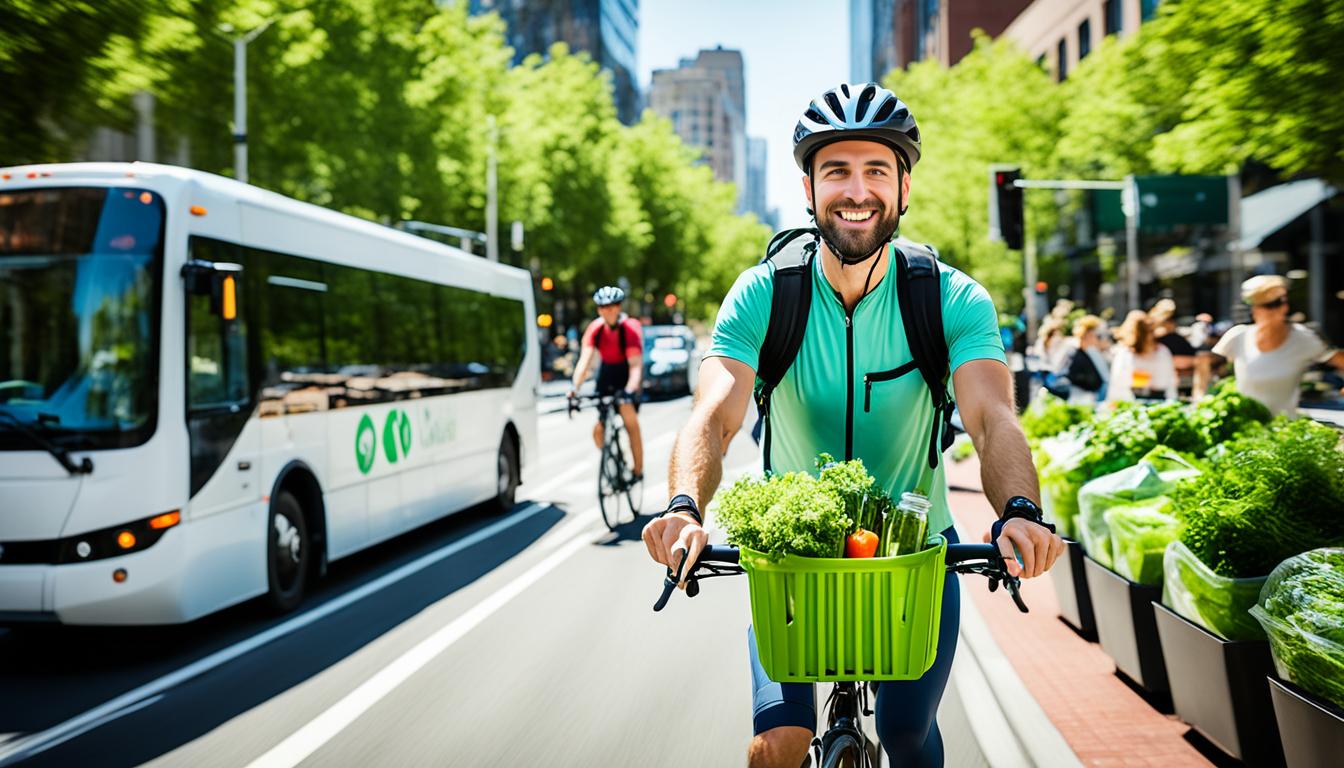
(833, 102)
(884, 111)
(844, 87)
(813, 115)
(865, 101)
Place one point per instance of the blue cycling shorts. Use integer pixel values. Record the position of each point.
(905, 711)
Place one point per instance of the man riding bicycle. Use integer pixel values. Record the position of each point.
(619, 343)
(845, 394)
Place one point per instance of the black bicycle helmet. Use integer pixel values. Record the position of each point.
(856, 111)
(608, 295)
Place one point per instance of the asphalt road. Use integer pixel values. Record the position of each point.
(480, 640)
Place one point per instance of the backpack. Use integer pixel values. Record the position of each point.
(920, 296)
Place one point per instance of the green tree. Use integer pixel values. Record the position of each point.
(1260, 81)
(560, 173)
(994, 106)
(46, 50)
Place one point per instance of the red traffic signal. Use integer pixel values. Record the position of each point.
(1042, 286)
(547, 284)
(670, 300)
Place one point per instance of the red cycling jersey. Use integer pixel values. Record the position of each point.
(608, 340)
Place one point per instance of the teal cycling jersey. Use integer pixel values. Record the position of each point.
(844, 394)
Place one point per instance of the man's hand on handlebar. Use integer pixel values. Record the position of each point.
(1038, 547)
(673, 539)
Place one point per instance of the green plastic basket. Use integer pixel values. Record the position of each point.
(828, 619)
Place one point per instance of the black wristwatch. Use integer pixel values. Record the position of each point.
(1021, 506)
(683, 503)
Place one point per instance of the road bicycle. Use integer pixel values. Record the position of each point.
(615, 474)
(844, 742)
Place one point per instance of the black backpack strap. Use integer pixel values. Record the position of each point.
(920, 292)
(620, 324)
(790, 252)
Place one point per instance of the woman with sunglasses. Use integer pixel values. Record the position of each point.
(1269, 355)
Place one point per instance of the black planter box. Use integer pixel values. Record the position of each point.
(1218, 687)
(1075, 601)
(1312, 730)
(1126, 626)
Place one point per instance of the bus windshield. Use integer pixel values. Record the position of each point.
(80, 270)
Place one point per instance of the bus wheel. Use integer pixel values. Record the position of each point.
(506, 474)
(287, 553)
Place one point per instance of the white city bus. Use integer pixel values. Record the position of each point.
(209, 391)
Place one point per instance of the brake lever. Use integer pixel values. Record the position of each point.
(670, 582)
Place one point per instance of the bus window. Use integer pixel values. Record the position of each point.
(216, 348)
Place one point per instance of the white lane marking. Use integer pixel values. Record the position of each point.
(321, 729)
(303, 743)
(28, 746)
(152, 700)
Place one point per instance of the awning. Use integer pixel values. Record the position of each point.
(1270, 210)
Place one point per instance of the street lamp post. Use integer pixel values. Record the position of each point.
(240, 96)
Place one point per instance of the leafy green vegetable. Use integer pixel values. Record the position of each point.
(1302, 611)
(1048, 415)
(1140, 533)
(799, 514)
(1222, 416)
(1217, 603)
(1268, 494)
(792, 513)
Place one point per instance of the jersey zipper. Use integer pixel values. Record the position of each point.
(849, 390)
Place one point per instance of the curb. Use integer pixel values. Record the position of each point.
(1007, 722)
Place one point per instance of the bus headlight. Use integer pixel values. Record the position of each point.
(118, 540)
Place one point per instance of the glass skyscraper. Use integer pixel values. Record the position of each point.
(607, 30)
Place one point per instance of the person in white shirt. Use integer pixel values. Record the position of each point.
(1141, 367)
(1270, 354)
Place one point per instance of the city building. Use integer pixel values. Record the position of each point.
(754, 193)
(886, 34)
(705, 98)
(1061, 33)
(607, 30)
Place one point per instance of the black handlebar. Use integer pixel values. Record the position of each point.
(721, 560)
(576, 402)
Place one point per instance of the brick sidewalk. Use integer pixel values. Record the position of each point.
(1105, 722)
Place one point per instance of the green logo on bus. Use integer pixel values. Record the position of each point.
(396, 434)
(366, 439)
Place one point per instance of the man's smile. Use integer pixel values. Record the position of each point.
(856, 216)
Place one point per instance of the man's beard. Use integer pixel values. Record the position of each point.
(854, 247)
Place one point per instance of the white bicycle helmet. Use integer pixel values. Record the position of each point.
(856, 111)
(608, 295)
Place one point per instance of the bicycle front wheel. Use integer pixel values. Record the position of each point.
(845, 752)
(610, 485)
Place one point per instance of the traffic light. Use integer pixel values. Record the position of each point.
(670, 300)
(1005, 206)
(547, 283)
(545, 321)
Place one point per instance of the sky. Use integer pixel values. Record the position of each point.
(793, 50)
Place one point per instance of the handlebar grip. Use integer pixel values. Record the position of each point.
(957, 553)
(719, 553)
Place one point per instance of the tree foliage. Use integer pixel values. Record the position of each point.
(1259, 82)
(380, 108)
(994, 106)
